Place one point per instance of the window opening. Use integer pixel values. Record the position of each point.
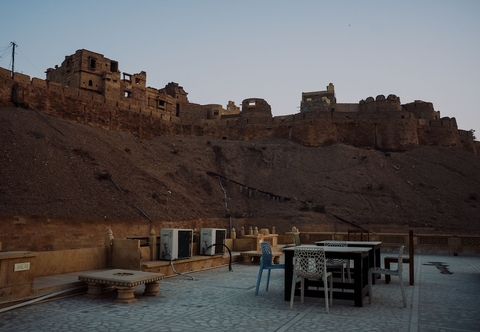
(113, 66)
(128, 94)
(90, 83)
(92, 63)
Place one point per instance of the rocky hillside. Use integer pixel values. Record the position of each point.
(53, 167)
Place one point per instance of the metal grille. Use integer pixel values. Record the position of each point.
(433, 240)
(471, 241)
(394, 239)
(319, 237)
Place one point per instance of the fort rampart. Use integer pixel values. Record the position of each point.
(380, 123)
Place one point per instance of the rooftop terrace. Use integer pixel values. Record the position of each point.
(219, 300)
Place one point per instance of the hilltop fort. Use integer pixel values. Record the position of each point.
(89, 88)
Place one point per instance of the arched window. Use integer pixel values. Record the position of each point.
(90, 83)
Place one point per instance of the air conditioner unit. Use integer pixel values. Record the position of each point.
(213, 239)
(175, 243)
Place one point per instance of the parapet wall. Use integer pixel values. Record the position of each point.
(50, 234)
(377, 123)
(380, 103)
(422, 110)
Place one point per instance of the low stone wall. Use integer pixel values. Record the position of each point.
(53, 234)
(467, 245)
(48, 263)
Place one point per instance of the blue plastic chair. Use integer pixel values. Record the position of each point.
(266, 263)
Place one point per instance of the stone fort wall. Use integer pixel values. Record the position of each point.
(375, 123)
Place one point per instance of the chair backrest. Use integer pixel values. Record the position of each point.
(362, 237)
(335, 244)
(333, 261)
(296, 237)
(400, 259)
(267, 258)
(309, 262)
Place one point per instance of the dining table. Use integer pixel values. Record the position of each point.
(375, 260)
(356, 290)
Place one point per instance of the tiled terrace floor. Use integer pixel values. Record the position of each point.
(219, 300)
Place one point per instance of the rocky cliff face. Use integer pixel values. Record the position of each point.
(58, 168)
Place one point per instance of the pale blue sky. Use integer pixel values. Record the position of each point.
(275, 50)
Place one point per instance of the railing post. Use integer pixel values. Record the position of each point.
(108, 242)
(411, 254)
(152, 243)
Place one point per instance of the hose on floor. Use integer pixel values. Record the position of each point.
(229, 252)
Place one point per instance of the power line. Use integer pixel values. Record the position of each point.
(3, 53)
(5, 48)
(15, 49)
(29, 61)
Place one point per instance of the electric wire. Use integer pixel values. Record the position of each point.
(29, 61)
(3, 52)
(3, 48)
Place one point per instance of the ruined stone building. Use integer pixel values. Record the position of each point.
(93, 72)
(318, 100)
(89, 88)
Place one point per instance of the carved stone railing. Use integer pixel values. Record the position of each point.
(444, 244)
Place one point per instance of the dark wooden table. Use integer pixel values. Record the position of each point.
(355, 291)
(375, 260)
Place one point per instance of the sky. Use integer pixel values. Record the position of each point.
(221, 50)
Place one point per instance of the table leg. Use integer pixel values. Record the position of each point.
(125, 295)
(152, 289)
(378, 260)
(361, 277)
(375, 261)
(247, 259)
(95, 290)
(288, 274)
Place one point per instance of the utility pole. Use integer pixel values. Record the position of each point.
(13, 59)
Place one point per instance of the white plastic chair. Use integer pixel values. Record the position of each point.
(335, 263)
(398, 272)
(310, 263)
